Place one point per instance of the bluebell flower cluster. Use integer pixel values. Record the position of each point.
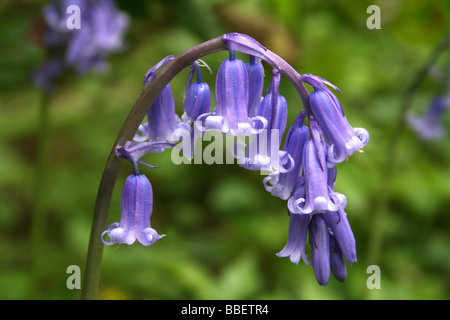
(85, 46)
(303, 172)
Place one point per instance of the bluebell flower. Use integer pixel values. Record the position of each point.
(429, 126)
(162, 120)
(319, 196)
(337, 262)
(326, 109)
(298, 231)
(136, 210)
(320, 248)
(281, 184)
(232, 96)
(255, 71)
(331, 238)
(339, 227)
(263, 152)
(197, 100)
(332, 245)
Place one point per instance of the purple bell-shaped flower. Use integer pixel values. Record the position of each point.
(255, 72)
(136, 210)
(319, 196)
(298, 230)
(232, 95)
(342, 138)
(281, 184)
(263, 152)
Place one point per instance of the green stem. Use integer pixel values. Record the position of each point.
(379, 213)
(134, 119)
(40, 185)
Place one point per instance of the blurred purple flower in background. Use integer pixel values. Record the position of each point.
(429, 126)
(85, 45)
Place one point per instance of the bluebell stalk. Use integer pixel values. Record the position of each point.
(281, 184)
(263, 152)
(232, 96)
(303, 173)
(429, 126)
(136, 211)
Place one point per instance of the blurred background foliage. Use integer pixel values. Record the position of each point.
(223, 229)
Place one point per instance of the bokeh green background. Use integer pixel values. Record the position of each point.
(223, 229)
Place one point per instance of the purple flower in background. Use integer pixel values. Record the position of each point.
(48, 73)
(429, 126)
(85, 47)
(136, 210)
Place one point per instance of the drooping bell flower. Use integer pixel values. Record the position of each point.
(298, 230)
(231, 114)
(332, 244)
(320, 248)
(337, 262)
(136, 210)
(429, 126)
(340, 228)
(197, 100)
(281, 184)
(342, 138)
(263, 152)
(319, 196)
(255, 72)
(162, 120)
